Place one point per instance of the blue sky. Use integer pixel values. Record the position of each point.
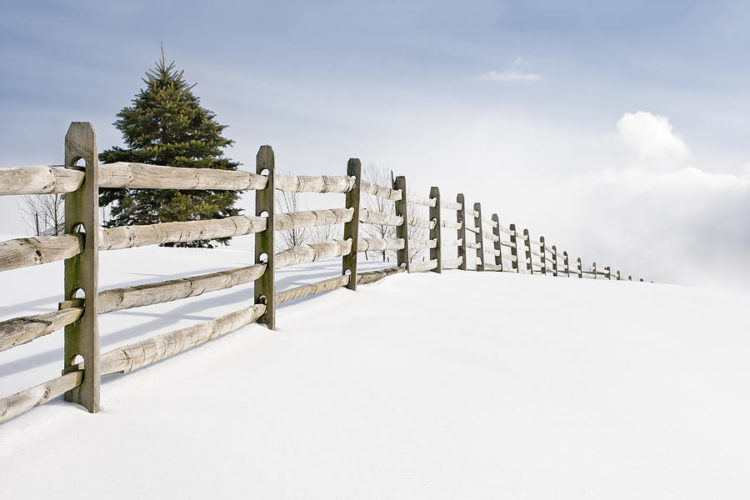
(527, 96)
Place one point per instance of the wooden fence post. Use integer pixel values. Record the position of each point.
(579, 267)
(527, 250)
(554, 260)
(543, 251)
(594, 268)
(265, 242)
(351, 228)
(436, 233)
(498, 245)
(402, 231)
(461, 219)
(609, 272)
(566, 263)
(478, 237)
(514, 248)
(82, 271)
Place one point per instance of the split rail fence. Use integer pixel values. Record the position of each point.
(497, 248)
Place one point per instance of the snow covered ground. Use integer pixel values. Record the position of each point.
(465, 385)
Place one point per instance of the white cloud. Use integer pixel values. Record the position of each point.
(653, 141)
(513, 73)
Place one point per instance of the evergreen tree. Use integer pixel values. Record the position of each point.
(167, 126)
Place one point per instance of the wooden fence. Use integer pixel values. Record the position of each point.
(498, 248)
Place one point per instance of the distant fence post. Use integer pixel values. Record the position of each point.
(594, 268)
(265, 286)
(579, 267)
(566, 263)
(351, 228)
(498, 244)
(461, 220)
(514, 248)
(436, 233)
(82, 271)
(478, 237)
(543, 251)
(527, 250)
(619, 276)
(402, 231)
(554, 260)
(609, 272)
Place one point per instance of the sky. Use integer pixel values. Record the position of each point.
(616, 129)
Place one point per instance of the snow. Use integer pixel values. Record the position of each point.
(465, 385)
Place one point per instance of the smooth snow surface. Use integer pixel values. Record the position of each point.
(460, 386)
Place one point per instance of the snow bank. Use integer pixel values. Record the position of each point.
(464, 385)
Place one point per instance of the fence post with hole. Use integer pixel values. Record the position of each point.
(514, 248)
(351, 228)
(527, 251)
(478, 237)
(402, 231)
(436, 232)
(265, 285)
(498, 244)
(543, 251)
(82, 270)
(461, 220)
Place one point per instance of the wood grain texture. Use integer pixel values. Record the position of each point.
(312, 289)
(461, 231)
(17, 331)
(145, 352)
(117, 238)
(82, 270)
(514, 248)
(24, 252)
(425, 202)
(449, 205)
(452, 262)
(436, 233)
(312, 218)
(402, 230)
(374, 276)
(143, 176)
(303, 254)
(314, 183)
(379, 245)
(264, 287)
(351, 229)
(418, 267)
(23, 401)
(43, 179)
(381, 191)
(167, 291)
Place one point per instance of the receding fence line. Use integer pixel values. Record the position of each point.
(84, 364)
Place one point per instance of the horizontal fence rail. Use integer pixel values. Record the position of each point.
(426, 240)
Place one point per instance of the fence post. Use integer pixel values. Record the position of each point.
(265, 286)
(402, 231)
(527, 250)
(82, 271)
(478, 237)
(498, 245)
(619, 277)
(436, 233)
(461, 220)
(554, 260)
(609, 272)
(351, 228)
(579, 268)
(566, 263)
(594, 268)
(543, 251)
(514, 247)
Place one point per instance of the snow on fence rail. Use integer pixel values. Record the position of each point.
(83, 240)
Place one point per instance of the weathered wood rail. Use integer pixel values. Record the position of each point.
(83, 240)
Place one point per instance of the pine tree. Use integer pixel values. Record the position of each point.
(167, 126)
